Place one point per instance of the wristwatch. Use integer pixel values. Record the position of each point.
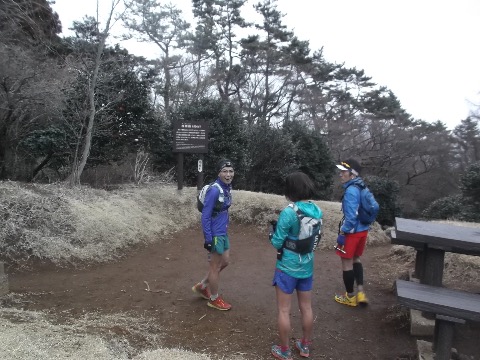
(342, 233)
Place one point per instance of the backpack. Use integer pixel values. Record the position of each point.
(201, 197)
(369, 208)
(309, 235)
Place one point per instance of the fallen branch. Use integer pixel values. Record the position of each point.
(155, 291)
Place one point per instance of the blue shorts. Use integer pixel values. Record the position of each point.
(288, 283)
(220, 244)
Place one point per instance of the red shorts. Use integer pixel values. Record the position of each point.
(354, 245)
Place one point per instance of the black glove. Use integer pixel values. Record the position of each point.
(208, 245)
(272, 228)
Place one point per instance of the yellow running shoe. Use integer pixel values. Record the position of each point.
(346, 300)
(362, 298)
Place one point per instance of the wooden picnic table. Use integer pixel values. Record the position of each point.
(432, 240)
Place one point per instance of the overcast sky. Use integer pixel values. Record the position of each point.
(426, 51)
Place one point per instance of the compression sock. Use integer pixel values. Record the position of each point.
(349, 281)
(358, 272)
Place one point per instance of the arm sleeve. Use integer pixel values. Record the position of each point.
(207, 212)
(284, 224)
(351, 202)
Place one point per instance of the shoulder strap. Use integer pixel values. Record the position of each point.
(217, 185)
(300, 215)
(296, 209)
(221, 195)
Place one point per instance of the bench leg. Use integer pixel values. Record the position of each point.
(419, 263)
(443, 339)
(433, 269)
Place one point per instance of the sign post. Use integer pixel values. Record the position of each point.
(200, 173)
(190, 137)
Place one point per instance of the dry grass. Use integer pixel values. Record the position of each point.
(30, 335)
(64, 225)
(83, 225)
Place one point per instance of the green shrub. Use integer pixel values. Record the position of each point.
(462, 207)
(471, 184)
(449, 207)
(386, 193)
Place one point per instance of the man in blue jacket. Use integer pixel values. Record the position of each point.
(215, 221)
(352, 235)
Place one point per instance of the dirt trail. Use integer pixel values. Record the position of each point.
(172, 267)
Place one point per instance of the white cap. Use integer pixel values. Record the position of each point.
(345, 167)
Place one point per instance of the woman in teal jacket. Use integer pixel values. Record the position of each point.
(294, 271)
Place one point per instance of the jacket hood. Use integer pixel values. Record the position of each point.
(356, 181)
(310, 209)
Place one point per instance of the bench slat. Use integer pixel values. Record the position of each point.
(447, 237)
(438, 300)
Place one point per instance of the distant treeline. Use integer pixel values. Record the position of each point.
(82, 110)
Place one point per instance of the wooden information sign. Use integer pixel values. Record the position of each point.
(190, 137)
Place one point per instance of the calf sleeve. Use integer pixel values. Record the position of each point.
(358, 272)
(349, 280)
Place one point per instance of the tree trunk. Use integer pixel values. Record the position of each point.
(40, 166)
(79, 165)
(3, 153)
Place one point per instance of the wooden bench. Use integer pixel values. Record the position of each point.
(432, 240)
(450, 306)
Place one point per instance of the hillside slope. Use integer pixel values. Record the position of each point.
(84, 225)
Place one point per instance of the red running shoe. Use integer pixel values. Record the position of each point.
(204, 293)
(219, 304)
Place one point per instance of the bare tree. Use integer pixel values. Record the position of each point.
(83, 151)
(140, 171)
(30, 79)
(31, 97)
